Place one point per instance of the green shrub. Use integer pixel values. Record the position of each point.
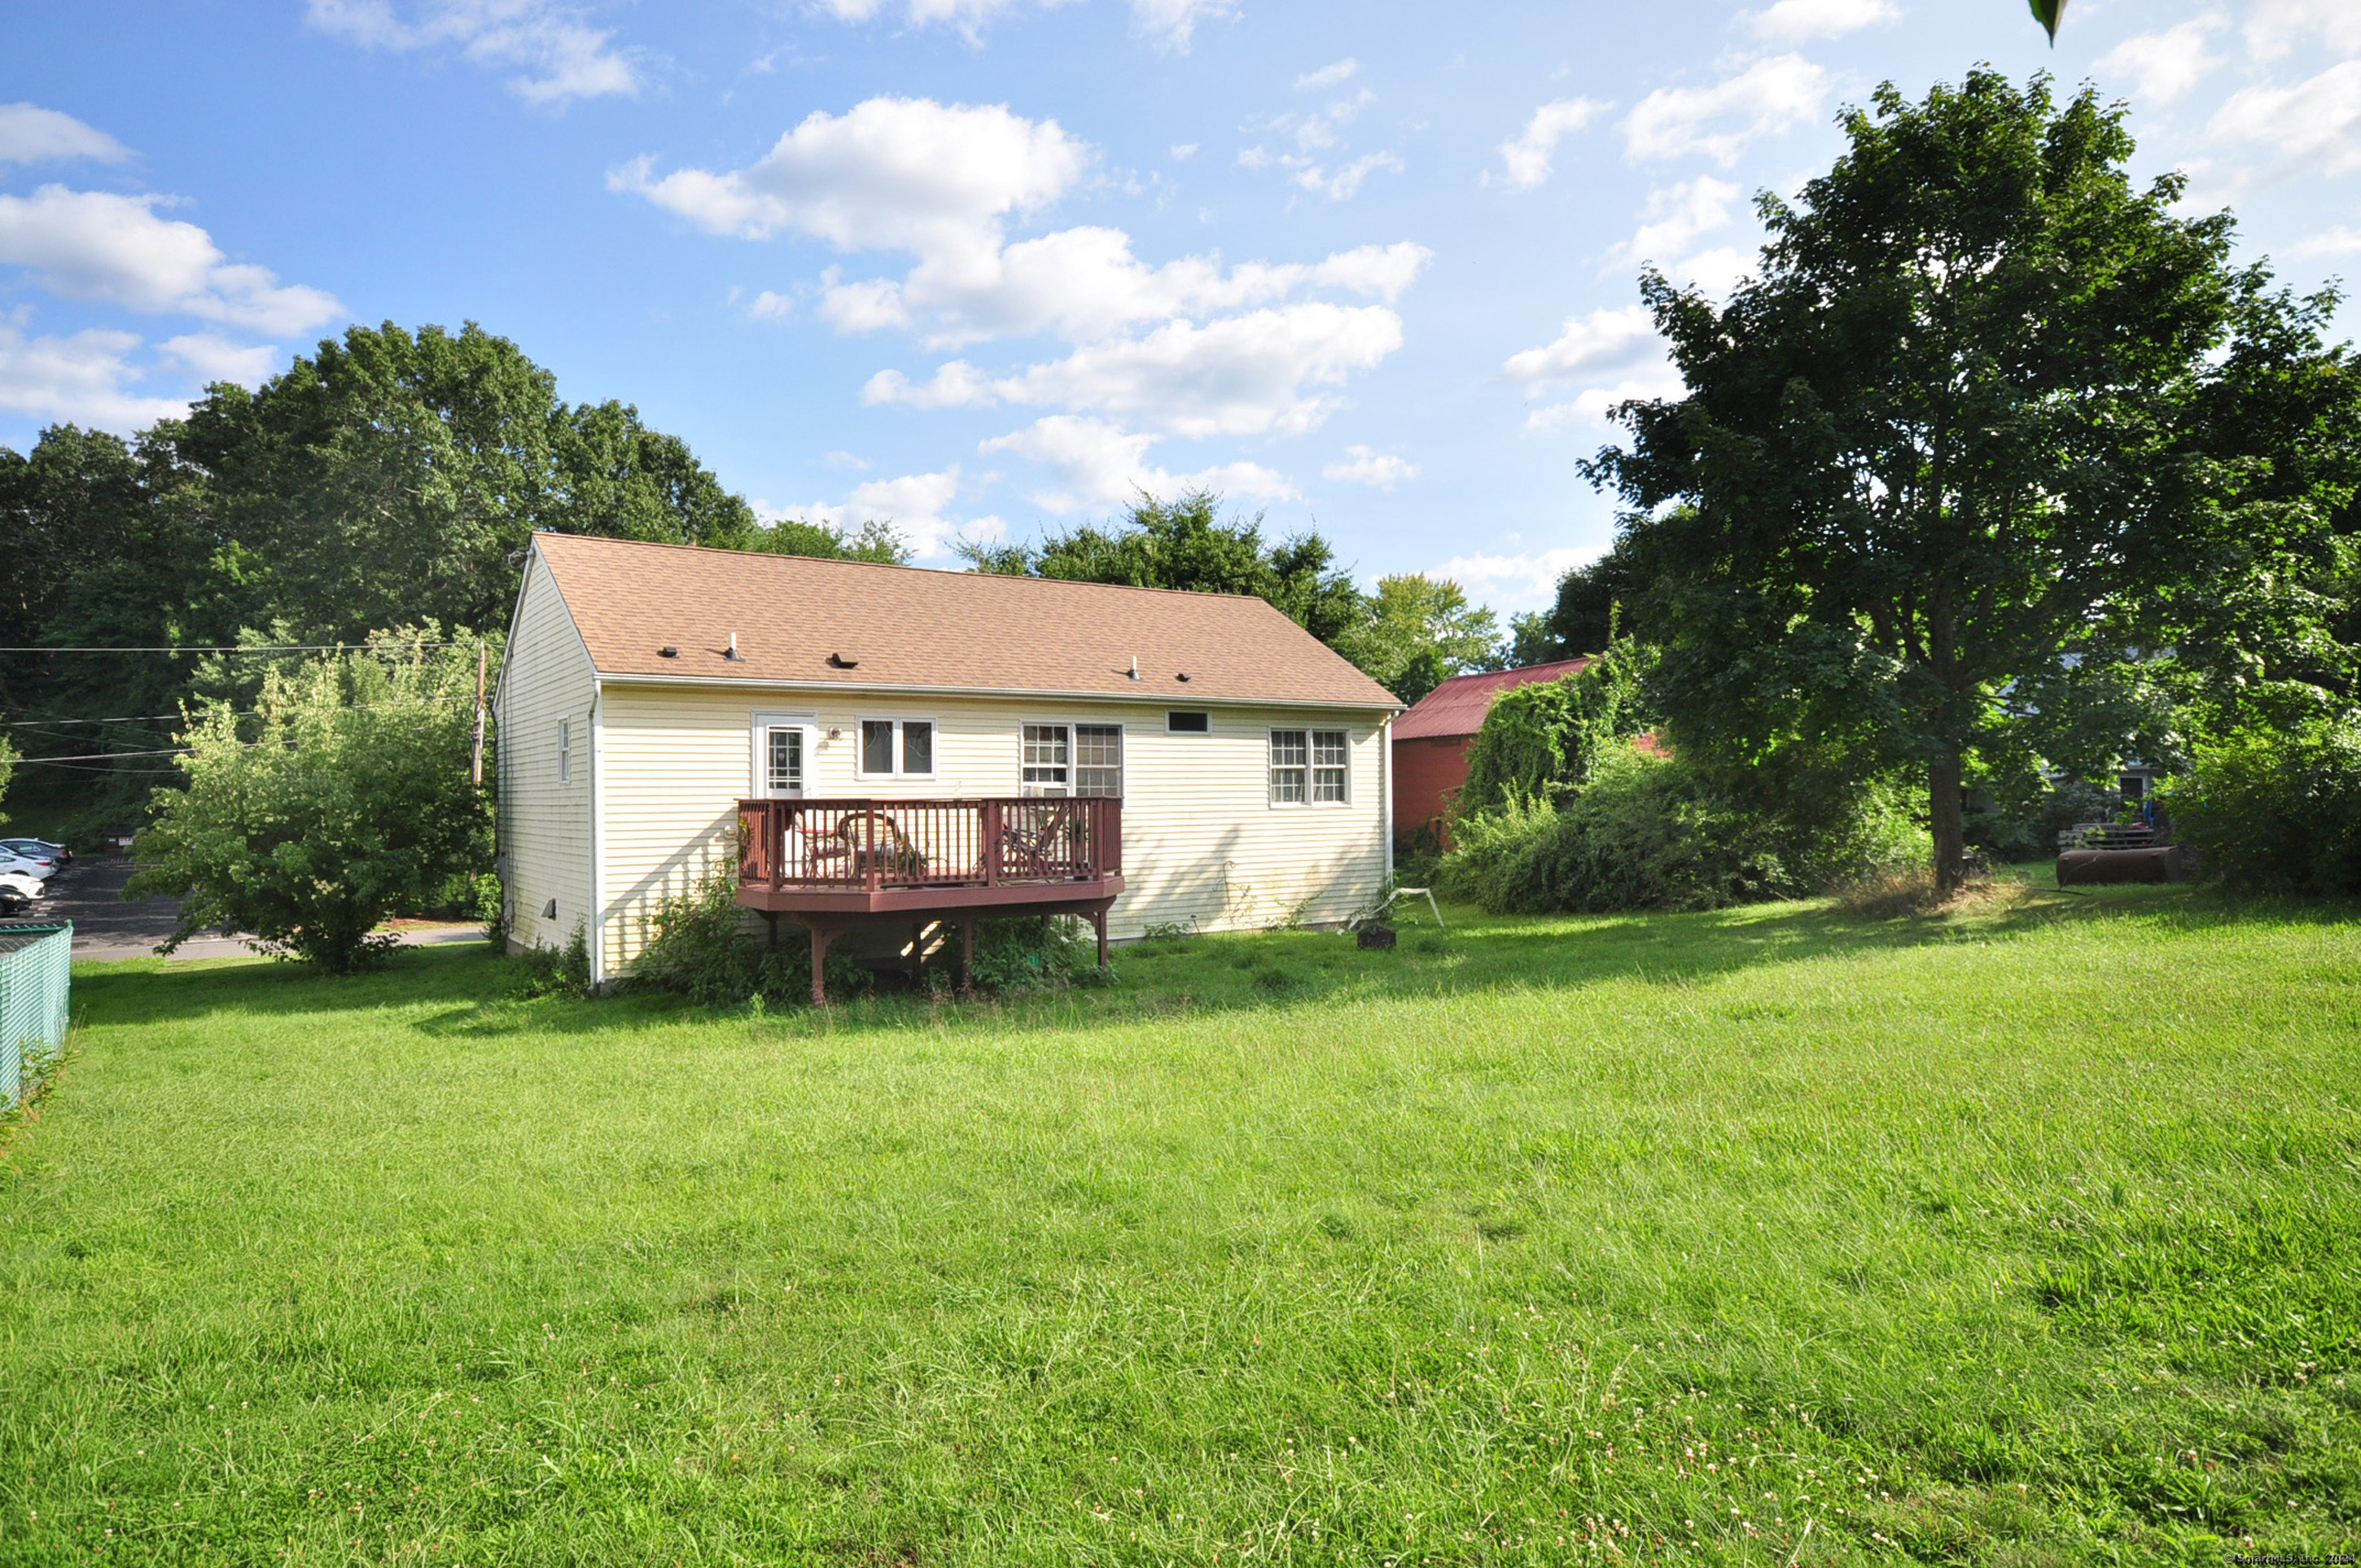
(2276, 810)
(1039, 952)
(555, 971)
(1651, 833)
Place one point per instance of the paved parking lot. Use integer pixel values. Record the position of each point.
(107, 926)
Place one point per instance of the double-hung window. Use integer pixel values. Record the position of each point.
(890, 746)
(1309, 767)
(1072, 759)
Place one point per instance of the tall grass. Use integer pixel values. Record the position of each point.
(1772, 1235)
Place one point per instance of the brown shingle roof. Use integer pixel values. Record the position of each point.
(1457, 707)
(905, 626)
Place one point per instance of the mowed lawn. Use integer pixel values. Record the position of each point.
(1778, 1235)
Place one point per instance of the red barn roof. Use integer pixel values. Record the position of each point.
(1457, 707)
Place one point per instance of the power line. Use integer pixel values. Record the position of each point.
(265, 647)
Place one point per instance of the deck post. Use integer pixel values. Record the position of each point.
(771, 918)
(1098, 918)
(820, 964)
(967, 955)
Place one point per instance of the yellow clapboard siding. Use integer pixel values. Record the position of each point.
(1201, 843)
(545, 824)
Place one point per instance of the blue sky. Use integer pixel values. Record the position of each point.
(981, 267)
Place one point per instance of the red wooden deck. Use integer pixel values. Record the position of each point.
(830, 865)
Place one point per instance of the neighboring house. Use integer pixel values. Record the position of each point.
(1141, 756)
(1430, 743)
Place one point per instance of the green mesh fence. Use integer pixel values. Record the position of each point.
(35, 984)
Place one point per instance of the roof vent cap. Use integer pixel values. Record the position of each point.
(837, 661)
(667, 651)
(733, 652)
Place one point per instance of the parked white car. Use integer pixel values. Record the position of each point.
(18, 890)
(18, 865)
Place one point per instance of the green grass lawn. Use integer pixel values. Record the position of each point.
(1775, 1235)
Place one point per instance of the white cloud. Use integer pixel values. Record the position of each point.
(892, 173)
(1095, 464)
(1766, 98)
(1606, 339)
(213, 358)
(1085, 284)
(1527, 155)
(1799, 21)
(1513, 579)
(29, 134)
(2315, 121)
(1236, 375)
(1675, 217)
(770, 306)
(2342, 240)
(1715, 271)
(1327, 76)
(93, 245)
(1168, 23)
(1363, 465)
(2164, 66)
(82, 379)
(556, 53)
(916, 505)
(1317, 135)
(1182, 151)
(2275, 27)
(1173, 23)
(1592, 405)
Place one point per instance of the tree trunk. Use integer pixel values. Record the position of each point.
(1950, 832)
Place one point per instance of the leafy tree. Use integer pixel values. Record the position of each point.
(1418, 631)
(875, 542)
(1186, 544)
(345, 799)
(1594, 603)
(1988, 412)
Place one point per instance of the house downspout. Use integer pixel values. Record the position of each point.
(1386, 765)
(598, 934)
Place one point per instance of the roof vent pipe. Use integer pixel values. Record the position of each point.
(733, 647)
(1134, 666)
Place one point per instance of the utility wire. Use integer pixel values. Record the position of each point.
(264, 647)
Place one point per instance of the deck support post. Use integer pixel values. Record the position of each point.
(820, 964)
(1098, 919)
(967, 956)
(771, 918)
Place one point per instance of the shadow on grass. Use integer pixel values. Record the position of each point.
(469, 993)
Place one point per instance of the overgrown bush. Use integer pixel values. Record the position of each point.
(1041, 952)
(345, 799)
(1541, 741)
(1649, 832)
(555, 971)
(2276, 810)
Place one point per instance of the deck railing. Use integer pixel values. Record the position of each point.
(878, 844)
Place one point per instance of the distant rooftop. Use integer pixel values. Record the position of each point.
(1457, 707)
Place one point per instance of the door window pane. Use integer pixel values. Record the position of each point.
(876, 745)
(1048, 758)
(1098, 758)
(784, 767)
(918, 746)
(1328, 765)
(1290, 756)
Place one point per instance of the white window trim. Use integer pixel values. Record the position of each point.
(860, 758)
(759, 726)
(1073, 754)
(1310, 768)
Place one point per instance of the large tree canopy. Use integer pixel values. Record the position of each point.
(390, 477)
(1991, 420)
(1187, 544)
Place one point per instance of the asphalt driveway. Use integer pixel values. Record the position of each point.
(107, 926)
